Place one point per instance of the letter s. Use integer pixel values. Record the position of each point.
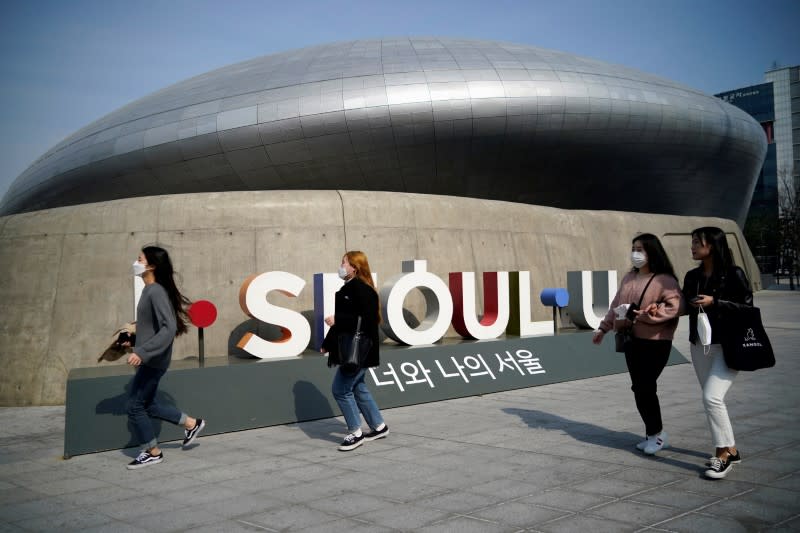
(253, 301)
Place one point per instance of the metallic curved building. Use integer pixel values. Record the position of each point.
(455, 117)
(225, 170)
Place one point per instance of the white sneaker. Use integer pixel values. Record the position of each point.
(658, 443)
(642, 445)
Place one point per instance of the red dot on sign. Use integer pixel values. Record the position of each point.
(202, 313)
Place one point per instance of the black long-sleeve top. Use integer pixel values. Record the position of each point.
(354, 299)
(730, 290)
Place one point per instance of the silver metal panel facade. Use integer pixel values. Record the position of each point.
(444, 116)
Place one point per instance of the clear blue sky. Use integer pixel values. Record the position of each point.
(65, 63)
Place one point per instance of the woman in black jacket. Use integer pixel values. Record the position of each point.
(357, 298)
(718, 286)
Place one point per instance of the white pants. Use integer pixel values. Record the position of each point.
(715, 379)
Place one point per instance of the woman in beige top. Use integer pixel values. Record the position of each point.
(652, 286)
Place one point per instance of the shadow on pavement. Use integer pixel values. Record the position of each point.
(600, 436)
(311, 404)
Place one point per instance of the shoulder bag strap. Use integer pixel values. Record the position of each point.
(641, 299)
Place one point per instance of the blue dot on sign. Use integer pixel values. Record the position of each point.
(554, 297)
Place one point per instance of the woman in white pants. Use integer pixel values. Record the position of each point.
(716, 285)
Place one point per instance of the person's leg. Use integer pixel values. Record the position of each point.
(342, 389)
(192, 426)
(366, 403)
(719, 380)
(720, 430)
(636, 362)
(646, 360)
(168, 412)
(655, 354)
(701, 361)
(717, 383)
(143, 391)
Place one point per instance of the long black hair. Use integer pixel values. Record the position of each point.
(657, 258)
(721, 257)
(158, 258)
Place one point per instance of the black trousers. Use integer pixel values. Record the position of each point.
(646, 360)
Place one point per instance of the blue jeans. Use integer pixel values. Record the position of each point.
(353, 396)
(142, 405)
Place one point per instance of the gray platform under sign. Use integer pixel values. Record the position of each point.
(235, 394)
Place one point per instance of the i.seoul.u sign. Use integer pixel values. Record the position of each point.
(507, 306)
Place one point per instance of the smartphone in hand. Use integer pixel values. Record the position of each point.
(631, 314)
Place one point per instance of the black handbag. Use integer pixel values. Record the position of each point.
(353, 349)
(745, 344)
(624, 337)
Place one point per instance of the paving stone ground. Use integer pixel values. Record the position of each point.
(551, 458)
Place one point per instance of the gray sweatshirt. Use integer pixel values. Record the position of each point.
(155, 327)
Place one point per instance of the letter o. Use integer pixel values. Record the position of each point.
(438, 306)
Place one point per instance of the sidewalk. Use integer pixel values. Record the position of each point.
(552, 458)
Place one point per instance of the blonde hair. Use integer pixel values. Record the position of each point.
(358, 260)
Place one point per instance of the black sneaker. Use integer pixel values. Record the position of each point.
(145, 459)
(732, 459)
(377, 434)
(192, 434)
(719, 468)
(351, 442)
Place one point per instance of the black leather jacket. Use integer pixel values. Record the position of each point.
(730, 291)
(354, 299)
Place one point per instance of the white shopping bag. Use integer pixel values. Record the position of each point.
(704, 330)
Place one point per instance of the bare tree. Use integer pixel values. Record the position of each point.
(789, 225)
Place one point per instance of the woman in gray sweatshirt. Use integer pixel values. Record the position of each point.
(160, 317)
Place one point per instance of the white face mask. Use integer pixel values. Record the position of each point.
(639, 259)
(138, 268)
(342, 272)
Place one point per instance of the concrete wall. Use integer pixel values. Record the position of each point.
(66, 283)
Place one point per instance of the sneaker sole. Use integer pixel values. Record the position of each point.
(713, 474)
(664, 447)
(376, 437)
(196, 434)
(343, 448)
(142, 465)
